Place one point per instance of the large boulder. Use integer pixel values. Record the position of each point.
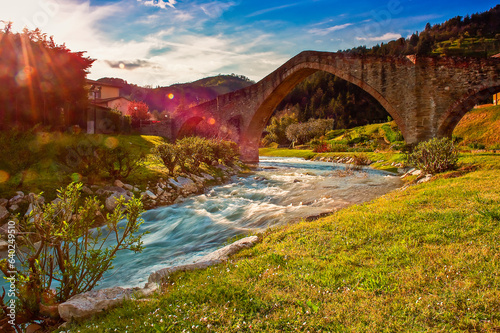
(95, 301)
(187, 185)
(160, 275)
(224, 253)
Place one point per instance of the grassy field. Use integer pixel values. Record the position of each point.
(423, 259)
(480, 126)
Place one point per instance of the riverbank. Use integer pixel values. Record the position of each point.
(61, 158)
(387, 161)
(421, 259)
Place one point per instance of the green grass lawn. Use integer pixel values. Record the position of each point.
(481, 125)
(423, 259)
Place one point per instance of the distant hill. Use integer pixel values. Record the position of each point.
(476, 35)
(170, 98)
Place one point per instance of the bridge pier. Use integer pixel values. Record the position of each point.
(249, 153)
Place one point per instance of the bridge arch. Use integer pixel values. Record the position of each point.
(188, 128)
(457, 110)
(426, 96)
(292, 76)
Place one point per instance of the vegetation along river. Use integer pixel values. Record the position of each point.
(282, 190)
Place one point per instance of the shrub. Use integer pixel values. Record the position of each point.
(338, 147)
(359, 139)
(191, 153)
(93, 159)
(334, 133)
(320, 147)
(168, 154)
(81, 157)
(434, 156)
(391, 133)
(62, 256)
(476, 145)
(119, 161)
(277, 129)
(224, 152)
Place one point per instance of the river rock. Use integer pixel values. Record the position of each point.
(210, 259)
(95, 301)
(224, 253)
(30, 209)
(112, 201)
(150, 194)
(3, 245)
(118, 183)
(187, 185)
(87, 190)
(425, 179)
(18, 198)
(206, 176)
(4, 214)
(3, 202)
(128, 187)
(160, 275)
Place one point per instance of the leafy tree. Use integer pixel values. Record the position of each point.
(304, 132)
(42, 82)
(276, 130)
(138, 111)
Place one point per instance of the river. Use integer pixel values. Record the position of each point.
(280, 191)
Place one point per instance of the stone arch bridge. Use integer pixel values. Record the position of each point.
(426, 96)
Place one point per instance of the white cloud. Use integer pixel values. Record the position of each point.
(326, 31)
(180, 55)
(216, 8)
(385, 37)
(159, 3)
(272, 9)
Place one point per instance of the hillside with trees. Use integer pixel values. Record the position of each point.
(182, 95)
(476, 35)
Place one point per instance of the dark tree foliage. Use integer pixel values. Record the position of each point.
(42, 82)
(479, 27)
(324, 95)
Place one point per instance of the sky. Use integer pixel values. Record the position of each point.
(162, 42)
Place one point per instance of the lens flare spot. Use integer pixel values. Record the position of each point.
(170, 96)
(211, 121)
(111, 142)
(121, 65)
(76, 177)
(4, 176)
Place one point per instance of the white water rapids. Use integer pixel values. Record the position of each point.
(282, 190)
